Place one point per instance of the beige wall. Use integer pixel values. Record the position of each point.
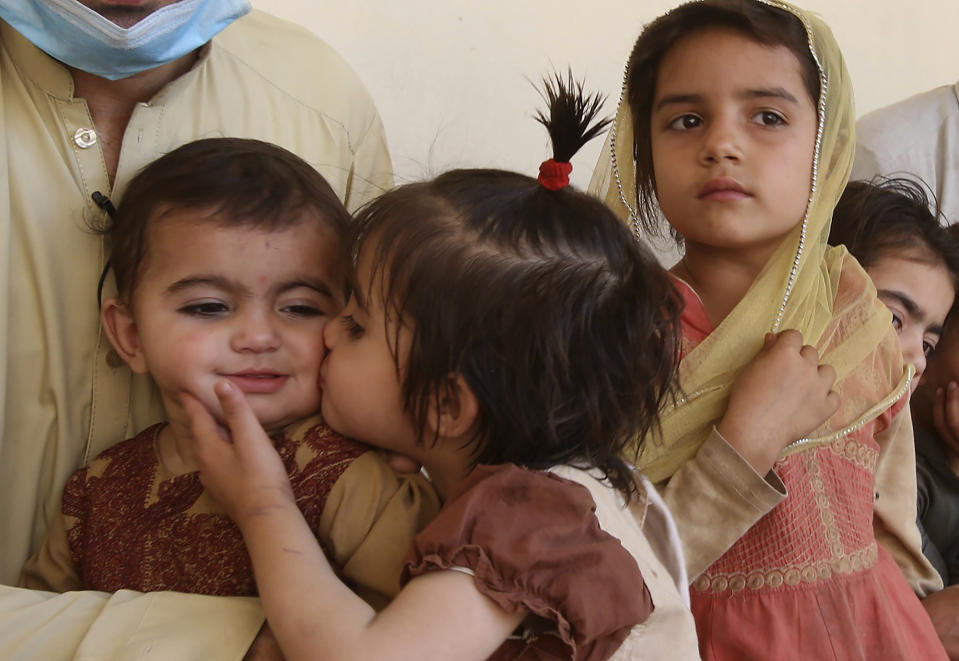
(450, 76)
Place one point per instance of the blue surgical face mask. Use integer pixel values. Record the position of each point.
(81, 38)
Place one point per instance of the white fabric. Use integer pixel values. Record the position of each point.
(919, 137)
(646, 529)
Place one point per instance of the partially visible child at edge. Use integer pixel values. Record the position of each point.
(788, 462)
(888, 227)
(512, 336)
(229, 262)
(935, 417)
(910, 257)
(935, 413)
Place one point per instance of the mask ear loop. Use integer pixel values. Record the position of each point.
(106, 205)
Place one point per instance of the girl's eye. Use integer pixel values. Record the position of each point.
(928, 346)
(769, 118)
(685, 122)
(303, 310)
(353, 328)
(205, 309)
(897, 322)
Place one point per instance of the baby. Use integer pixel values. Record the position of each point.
(228, 256)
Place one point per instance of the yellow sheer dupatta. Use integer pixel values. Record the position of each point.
(820, 291)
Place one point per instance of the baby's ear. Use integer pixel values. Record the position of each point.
(122, 332)
(454, 410)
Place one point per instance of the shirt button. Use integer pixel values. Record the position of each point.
(85, 138)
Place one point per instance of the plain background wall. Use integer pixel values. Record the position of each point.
(451, 77)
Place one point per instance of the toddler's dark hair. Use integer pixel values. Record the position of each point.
(755, 20)
(892, 216)
(228, 181)
(564, 327)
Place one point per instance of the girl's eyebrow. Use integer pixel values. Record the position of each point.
(674, 99)
(219, 282)
(216, 281)
(755, 93)
(317, 285)
(912, 308)
(768, 92)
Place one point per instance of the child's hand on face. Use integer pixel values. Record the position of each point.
(945, 415)
(782, 395)
(240, 468)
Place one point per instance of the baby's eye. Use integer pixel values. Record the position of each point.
(303, 310)
(685, 122)
(205, 309)
(769, 118)
(353, 328)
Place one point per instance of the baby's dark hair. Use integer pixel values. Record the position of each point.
(228, 181)
(755, 20)
(563, 326)
(892, 216)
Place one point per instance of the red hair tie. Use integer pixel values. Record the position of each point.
(554, 175)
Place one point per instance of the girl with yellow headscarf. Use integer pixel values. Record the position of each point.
(789, 467)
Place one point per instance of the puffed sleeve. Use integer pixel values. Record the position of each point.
(52, 567)
(531, 541)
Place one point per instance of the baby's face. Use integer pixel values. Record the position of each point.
(241, 304)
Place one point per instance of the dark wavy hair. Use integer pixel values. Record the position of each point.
(562, 324)
(892, 216)
(755, 20)
(229, 181)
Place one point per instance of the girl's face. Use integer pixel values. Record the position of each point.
(362, 388)
(733, 134)
(919, 295)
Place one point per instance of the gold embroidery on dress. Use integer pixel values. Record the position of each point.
(791, 576)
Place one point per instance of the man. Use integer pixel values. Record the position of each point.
(91, 91)
(918, 136)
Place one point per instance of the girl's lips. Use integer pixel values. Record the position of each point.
(256, 383)
(723, 189)
(724, 196)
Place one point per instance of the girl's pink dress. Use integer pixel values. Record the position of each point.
(780, 591)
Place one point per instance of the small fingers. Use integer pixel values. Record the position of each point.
(810, 354)
(210, 438)
(238, 415)
(827, 374)
(788, 339)
(202, 424)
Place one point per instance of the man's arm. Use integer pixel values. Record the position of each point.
(90, 626)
